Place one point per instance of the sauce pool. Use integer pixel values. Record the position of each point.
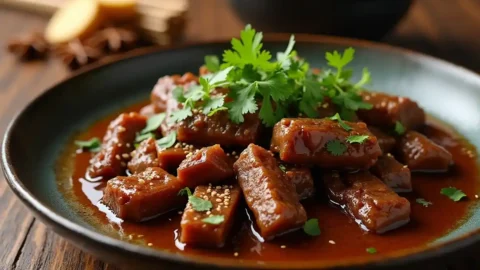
(340, 238)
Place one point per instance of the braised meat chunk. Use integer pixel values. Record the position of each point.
(421, 154)
(302, 179)
(143, 196)
(306, 141)
(368, 200)
(268, 193)
(169, 159)
(207, 165)
(144, 156)
(116, 146)
(386, 142)
(204, 130)
(387, 110)
(394, 174)
(210, 228)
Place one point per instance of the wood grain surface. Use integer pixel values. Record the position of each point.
(448, 29)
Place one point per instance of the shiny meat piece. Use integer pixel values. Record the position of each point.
(161, 96)
(207, 165)
(268, 193)
(371, 203)
(304, 141)
(169, 159)
(143, 196)
(387, 110)
(302, 179)
(421, 154)
(394, 174)
(198, 233)
(144, 156)
(116, 146)
(205, 130)
(385, 141)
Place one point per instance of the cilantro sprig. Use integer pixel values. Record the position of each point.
(257, 83)
(214, 219)
(453, 193)
(423, 202)
(93, 145)
(311, 227)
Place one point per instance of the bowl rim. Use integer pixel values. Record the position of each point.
(57, 221)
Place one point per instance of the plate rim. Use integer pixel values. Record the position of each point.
(53, 219)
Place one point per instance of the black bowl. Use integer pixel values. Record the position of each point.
(37, 137)
(368, 19)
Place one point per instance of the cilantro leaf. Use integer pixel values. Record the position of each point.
(339, 61)
(453, 193)
(214, 111)
(266, 113)
(199, 204)
(153, 123)
(371, 250)
(185, 191)
(399, 128)
(220, 77)
(243, 103)
(283, 57)
(142, 137)
(212, 63)
(336, 147)
(275, 87)
(167, 141)
(423, 202)
(342, 124)
(282, 167)
(364, 80)
(178, 94)
(357, 138)
(213, 103)
(214, 219)
(92, 145)
(248, 50)
(180, 115)
(311, 227)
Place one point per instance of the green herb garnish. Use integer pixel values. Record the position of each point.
(212, 63)
(423, 202)
(153, 123)
(311, 227)
(337, 118)
(198, 204)
(167, 141)
(282, 167)
(142, 137)
(371, 250)
(258, 84)
(453, 193)
(336, 147)
(357, 138)
(399, 128)
(92, 145)
(215, 219)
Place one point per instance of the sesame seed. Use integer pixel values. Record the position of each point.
(150, 244)
(180, 212)
(228, 154)
(331, 242)
(208, 212)
(195, 218)
(218, 187)
(205, 197)
(389, 155)
(127, 144)
(218, 200)
(235, 254)
(214, 193)
(125, 156)
(130, 237)
(234, 153)
(283, 246)
(476, 196)
(140, 235)
(141, 181)
(405, 166)
(117, 157)
(119, 145)
(121, 129)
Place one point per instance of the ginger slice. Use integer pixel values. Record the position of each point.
(119, 10)
(75, 19)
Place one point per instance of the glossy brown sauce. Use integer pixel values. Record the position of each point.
(341, 238)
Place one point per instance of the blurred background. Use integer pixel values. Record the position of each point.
(448, 29)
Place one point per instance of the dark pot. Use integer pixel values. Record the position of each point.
(366, 19)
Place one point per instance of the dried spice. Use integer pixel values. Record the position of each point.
(113, 39)
(30, 47)
(75, 54)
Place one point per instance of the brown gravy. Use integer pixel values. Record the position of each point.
(341, 238)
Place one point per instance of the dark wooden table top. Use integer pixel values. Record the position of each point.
(445, 29)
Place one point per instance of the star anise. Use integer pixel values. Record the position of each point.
(114, 39)
(30, 47)
(75, 54)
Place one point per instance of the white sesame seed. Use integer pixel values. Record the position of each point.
(218, 200)
(283, 246)
(208, 212)
(130, 237)
(331, 242)
(180, 212)
(150, 244)
(119, 145)
(476, 196)
(141, 181)
(117, 157)
(235, 254)
(125, 156)
(127, 144)
(195, 218)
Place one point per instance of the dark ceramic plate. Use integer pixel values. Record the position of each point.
(35, 138)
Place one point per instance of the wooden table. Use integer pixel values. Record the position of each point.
(446, 29)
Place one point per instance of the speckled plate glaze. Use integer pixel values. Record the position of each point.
(35, 138)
